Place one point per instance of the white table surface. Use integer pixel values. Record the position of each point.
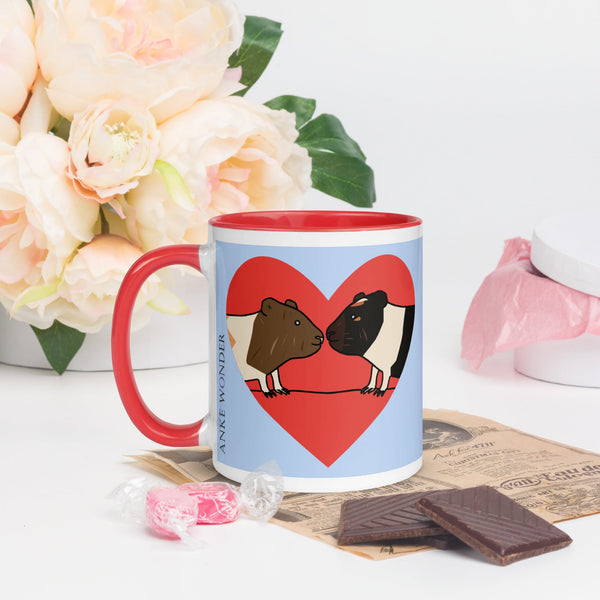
(63, 442)
(480, 117)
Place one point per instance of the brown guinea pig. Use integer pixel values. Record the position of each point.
(263, 341)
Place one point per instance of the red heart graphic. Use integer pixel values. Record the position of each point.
(325, 410)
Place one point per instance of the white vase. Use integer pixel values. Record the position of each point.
(166, 341)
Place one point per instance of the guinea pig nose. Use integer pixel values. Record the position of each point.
(319, 338)
(330, 334)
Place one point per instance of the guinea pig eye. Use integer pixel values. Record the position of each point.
(355, 317)
(296, 322)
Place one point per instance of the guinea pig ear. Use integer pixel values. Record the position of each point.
(267, 305)
(359, 296)
(380, 297)
(291, 303)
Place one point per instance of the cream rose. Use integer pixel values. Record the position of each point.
(233, 156)
(18, 62)
(91, 281)
(9, 130)
(42, 223)
(39, 116)
(22, 247)
(53, 207)
(165, 54)
(112, 144)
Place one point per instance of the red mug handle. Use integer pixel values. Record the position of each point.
(143, 418)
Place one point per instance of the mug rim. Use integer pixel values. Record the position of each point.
(314, 220)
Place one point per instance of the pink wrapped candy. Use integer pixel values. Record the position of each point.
(170, 511)
(216, 502)
(175, 511)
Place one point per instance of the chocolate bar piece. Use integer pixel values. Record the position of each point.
(384, 518)
(492, 523)
(441, 542)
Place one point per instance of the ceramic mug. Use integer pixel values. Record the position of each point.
(315, 346)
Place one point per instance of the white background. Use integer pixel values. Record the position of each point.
(482, 118)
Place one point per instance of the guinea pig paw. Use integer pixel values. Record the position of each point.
(283, 391)
(378, 392)
(367, 390)
(270, 394)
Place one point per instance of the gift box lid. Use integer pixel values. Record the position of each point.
(566, 248)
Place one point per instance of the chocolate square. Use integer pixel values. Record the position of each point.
(492, 523)
(385, 518)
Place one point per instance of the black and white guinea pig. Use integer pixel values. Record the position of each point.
(378, 331)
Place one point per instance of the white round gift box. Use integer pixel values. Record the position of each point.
(566, 248)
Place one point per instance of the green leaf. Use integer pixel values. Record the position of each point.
(104, 225)
(345, 177)
(60, 344)
(176, 186)
(62, 129)
(304, 108)
(326, 132)
(261, 37)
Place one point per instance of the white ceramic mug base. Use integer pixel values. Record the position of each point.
(574, 361)
(331, 484)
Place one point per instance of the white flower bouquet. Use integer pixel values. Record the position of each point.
(124, 126)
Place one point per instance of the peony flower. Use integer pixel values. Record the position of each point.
(233, 155)
(165, 54)
(22, 247)
(91, 281)
(18, 63)
(53, 207)
(39, 115)
(9, 130)
(42, 223)
(112, 145)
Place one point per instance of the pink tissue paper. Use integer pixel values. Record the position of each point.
(517, 305)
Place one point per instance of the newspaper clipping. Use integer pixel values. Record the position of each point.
(555, 481)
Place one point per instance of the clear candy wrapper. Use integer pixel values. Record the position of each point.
(262, 491)
(129, 498)
(175, 511)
